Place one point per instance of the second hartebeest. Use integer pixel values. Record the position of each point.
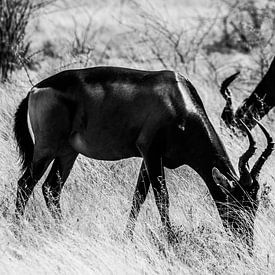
(111, 113)
(257, 105)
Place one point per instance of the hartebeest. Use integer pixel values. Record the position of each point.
(257, 105)
(111, 113)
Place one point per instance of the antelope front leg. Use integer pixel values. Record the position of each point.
(139, 197)
(149, 145)
(161, 194)
(155, 171)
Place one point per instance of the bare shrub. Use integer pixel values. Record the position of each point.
(48, 49)
(82, 40)
(173, 46)
(245, 25)
(82, 45)
(14, 17)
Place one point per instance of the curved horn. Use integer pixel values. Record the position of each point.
(255, 171)
(243, 161)
(224, 87)
(228, 113)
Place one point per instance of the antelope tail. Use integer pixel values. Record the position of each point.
(22, 134)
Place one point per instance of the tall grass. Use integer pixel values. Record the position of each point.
(97, 198)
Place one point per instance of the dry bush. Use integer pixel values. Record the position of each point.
(14, 17)
(82, 45)
(167, 43)
(83, 39)
(245, 25)
(253, 32)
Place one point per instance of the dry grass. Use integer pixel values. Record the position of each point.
(97, 196)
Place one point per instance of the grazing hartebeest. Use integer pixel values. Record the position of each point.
(111, 113)
(257, 105)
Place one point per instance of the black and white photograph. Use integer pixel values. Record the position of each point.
(137, 137)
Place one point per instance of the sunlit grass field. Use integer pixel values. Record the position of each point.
(97, 196)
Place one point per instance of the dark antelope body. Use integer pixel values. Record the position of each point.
(111, 113)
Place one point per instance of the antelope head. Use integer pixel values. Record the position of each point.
(242, 194)
(256, 105)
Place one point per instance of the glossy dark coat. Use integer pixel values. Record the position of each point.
(110, 113)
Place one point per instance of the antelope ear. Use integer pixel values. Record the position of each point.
(221, 180)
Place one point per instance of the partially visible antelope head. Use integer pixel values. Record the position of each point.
(257, 105)
(242, 194)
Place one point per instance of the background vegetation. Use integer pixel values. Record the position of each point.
(204, 40)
